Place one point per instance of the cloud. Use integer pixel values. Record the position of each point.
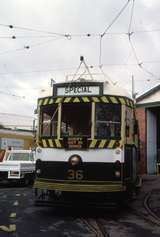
(27, 71)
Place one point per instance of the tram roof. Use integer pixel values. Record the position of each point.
(114, 89)
(109, 88)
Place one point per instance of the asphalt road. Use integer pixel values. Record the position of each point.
(20, 217)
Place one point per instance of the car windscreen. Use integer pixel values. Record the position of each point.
(19, 156)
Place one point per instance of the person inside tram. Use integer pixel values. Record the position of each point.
(107, 122)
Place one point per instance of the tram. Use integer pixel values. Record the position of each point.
(87, 143)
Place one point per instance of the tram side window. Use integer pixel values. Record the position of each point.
(108, 121)
(49, 121)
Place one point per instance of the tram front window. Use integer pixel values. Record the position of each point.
(76, 120)
(48, 122)
(108, 121)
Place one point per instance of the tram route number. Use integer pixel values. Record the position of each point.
(75, 174)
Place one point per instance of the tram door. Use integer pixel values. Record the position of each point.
(151, 141)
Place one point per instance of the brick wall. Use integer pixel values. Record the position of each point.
(141, 117)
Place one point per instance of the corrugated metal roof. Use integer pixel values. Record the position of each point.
(148, 93)
(16, 121)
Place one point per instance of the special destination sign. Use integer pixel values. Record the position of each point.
(78, 90)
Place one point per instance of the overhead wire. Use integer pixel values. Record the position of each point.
(29, 46)
(25, 36)
(148, 72)
(116, 17)
(33, 30)
(131, 17)
(107, 28)
(139, 63)
(130, 34)
(133, 50)
(146, 31)
(73, 68)
(10, 94)
(69, 36)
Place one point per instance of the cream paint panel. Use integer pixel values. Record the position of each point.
(101, 155)
(93, 121)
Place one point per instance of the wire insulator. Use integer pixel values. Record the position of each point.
(27, 47)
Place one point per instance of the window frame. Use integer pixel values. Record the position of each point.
(41, 133)
(76, 136)
(109, 122)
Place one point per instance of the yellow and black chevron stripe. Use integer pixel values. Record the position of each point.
(91, 144)
(103, 143)
(50, 143)
(87, 99)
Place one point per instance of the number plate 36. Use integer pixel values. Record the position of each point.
(75, 174)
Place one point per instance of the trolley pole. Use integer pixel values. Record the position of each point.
(133, 89)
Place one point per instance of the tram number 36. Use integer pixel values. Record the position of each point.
(75, 174)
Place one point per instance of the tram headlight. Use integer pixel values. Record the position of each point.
(117, 174)
(75, 160)
(38, 171)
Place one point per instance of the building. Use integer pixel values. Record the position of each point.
(16, 132)
(16, 139)
(148, 116)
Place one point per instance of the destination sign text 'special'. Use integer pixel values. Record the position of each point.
(78, 90)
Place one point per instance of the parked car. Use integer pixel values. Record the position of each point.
(18, 165)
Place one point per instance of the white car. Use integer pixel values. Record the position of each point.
(18, 165)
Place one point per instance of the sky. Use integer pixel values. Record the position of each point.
(44, 39)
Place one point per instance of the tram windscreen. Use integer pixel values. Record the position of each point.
(48, 123)
(108, 121)
(76, 120)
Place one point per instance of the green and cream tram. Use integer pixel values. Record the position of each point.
(87, 142)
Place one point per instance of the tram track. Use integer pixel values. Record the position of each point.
(95, 226)
(146, 211)
(152, 216)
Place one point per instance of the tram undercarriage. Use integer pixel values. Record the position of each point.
(115, 193)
